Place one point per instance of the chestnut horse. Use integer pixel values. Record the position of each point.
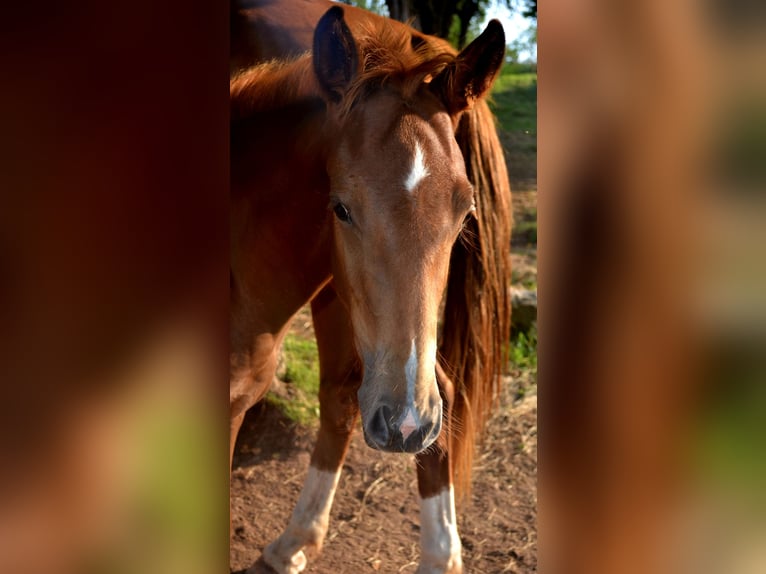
(367, 178)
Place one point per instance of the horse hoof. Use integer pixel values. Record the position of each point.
(294, 564)
(451, 568)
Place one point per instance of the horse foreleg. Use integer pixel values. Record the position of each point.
(250, 375)
(440, 549)
(340, 377)
(234, 426)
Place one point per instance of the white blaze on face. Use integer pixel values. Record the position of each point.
(418, 171)
(410, 420)
(439, 541)
(308, 524)
(411, 374)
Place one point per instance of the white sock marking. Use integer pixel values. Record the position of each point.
(439, 540)
(418, 172)
(308, 524)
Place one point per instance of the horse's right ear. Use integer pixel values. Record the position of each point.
(335, 54)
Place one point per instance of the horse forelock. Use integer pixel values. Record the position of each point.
(390, 58)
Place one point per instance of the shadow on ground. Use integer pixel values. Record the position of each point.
(267, 434)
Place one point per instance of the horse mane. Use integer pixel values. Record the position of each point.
(270, 85)
(388, 56)
(477, 315)
(392, 57)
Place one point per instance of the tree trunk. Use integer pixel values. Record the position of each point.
(435, 15)
(403, 11)
(467, 11)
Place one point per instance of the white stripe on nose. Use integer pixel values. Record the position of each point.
(411, 373)
(410, 421)
(418, 172)
(409, 425)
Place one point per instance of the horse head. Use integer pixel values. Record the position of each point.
(400, 195)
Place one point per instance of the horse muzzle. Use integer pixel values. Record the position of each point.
(402, 430)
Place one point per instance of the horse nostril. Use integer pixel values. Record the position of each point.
(378, 427)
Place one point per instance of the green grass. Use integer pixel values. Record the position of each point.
(523, 350)
(301, 363)
(519, 68)
(522, 355)
(302, 375)
(514, 101)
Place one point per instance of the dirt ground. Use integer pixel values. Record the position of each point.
(374, 520)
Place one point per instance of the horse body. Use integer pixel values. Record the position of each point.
(349, 190)
(266, 291)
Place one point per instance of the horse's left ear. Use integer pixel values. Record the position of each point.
(335, 54)
(474, 70)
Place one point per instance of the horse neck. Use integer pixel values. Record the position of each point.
(272, 86)
(277, 119)
(279, 182)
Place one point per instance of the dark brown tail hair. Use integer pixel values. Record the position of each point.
(477, 315)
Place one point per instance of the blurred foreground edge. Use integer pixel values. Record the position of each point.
(639, 299)
(114, 283)
(113, 288)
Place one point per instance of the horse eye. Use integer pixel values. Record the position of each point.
(470, 215)
(341, 212)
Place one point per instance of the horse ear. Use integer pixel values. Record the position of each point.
(335, 54)
(472, 73)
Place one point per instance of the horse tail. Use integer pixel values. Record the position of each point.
(477, 314)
